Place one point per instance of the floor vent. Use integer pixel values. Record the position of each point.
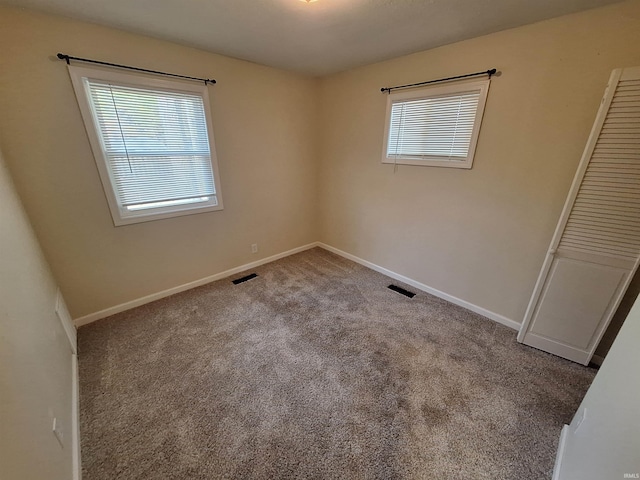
(401, 291)
(244, 279)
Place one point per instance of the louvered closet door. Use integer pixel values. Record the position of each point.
(596, 246)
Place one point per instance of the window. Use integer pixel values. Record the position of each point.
(152, 141)
(435, 126)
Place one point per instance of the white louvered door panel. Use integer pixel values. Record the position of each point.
(596, 247)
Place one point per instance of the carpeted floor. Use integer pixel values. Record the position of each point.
(315, 370)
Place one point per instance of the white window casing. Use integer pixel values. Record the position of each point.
(435, 126)
(153, 143)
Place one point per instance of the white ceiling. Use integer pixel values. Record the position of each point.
(317, 38)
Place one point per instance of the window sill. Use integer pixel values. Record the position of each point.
(465, 164)
(149, 216)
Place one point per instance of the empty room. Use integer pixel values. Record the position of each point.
(319, 239)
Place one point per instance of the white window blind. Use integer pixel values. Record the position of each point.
(152, 140)
(439, 127)
(155, 143)
(435, 126)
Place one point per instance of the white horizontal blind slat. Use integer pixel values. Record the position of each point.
(439, 126)
(605, 218)
(155, 142)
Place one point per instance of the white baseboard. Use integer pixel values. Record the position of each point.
(560, 453)
(425, 288)
(92, 317)
(66, 321)
(75, 419)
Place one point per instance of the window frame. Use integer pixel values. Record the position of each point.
(119, 215)
(430, 92)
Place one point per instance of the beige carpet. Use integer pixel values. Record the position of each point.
(315, 370)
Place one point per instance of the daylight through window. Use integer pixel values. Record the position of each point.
(435, 126)
(152, 144)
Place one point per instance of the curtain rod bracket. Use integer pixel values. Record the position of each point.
(489, 72)
(68, 58)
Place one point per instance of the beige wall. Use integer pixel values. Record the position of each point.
(619, 317)
(35, 354)
(606, 445)
(264, 123)
(481, 234)
(300, 160)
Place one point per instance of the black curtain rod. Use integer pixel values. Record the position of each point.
(67, 58)
(477, 74)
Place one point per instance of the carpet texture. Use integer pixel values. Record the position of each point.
(315, 370)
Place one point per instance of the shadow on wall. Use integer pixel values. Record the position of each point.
(619, 317)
